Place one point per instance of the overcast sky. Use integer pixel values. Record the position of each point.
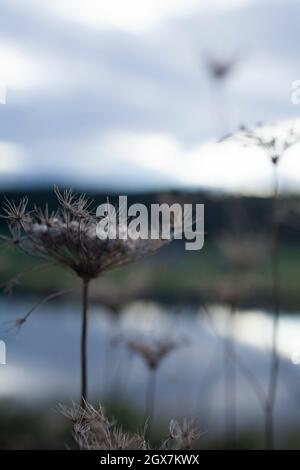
(117, 94)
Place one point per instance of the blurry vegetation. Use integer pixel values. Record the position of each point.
(176, 276)
(27, 428)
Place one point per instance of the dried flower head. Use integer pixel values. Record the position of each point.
(155, 350)
(184, 433)
(68, 236)
(274, 140)
(46, 217)
(93, 430)
(15, 214)
(220, 69)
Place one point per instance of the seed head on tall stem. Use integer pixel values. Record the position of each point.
(153, 352)
(274, 142)
(68, 237)
(242, 254)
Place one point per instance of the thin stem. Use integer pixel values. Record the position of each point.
(242, 366)
(84, 331)
(220, 114)
(150, 400)
(230, 379)
(275, 362)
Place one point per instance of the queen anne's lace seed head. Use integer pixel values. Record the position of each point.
(155, 350)
(274, 140)
(68, 236)
(184, 433)
(93, 430)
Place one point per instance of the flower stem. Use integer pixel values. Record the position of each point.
(150, 400)
(84, 331)
(274, 369)
(230, 380)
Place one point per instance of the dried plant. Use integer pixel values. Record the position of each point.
(68, 237)
(183, 434)
(220, 69)
(253, 381)
(93, 430)
(275, 142)
(243, 254)
(153, 352)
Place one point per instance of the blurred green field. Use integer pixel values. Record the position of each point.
(173, 276)
(38, 429)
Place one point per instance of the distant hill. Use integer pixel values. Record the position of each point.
(222, 212)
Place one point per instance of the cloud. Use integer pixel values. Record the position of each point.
(157, 160)
(12, 158)
(130, 15)
(213, 166)
(106, 91)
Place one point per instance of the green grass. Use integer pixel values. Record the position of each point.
(176, 275)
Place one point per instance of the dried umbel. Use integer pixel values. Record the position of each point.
(274, 140)
(93, 430)
(220, 69)
(184, 434)
(70, 237)
(155, 350)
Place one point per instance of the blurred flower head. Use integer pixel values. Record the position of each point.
(184, 433)
(274, 140)
(220, 69)
(155, 350)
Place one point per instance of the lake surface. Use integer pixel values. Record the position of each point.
(43, 359)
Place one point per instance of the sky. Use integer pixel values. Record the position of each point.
(118, 95)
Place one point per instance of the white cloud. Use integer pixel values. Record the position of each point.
(130, 15)
(12, 158)
(148, 98)
(265, 77)
(131, 158)
(17, 69)
(23, 68)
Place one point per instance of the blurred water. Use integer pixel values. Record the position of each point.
(43, 359)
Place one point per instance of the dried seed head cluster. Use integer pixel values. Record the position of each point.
(184, 433)
(16, 215)
(68, 236)
(220, 69)
(155, 350)
(274, 140)
(93, 430)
